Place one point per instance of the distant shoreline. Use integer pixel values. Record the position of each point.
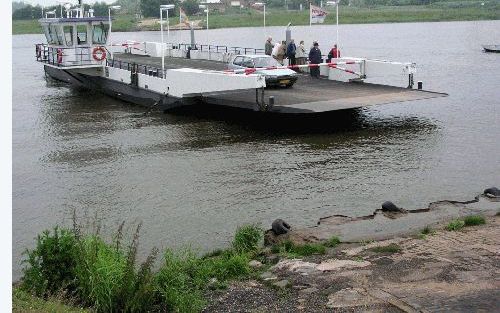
(348, 15)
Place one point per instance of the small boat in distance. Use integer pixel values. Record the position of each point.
(491, 48)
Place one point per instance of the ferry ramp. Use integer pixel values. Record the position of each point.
(308, 95)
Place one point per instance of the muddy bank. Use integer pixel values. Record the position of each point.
(386, 224)
(443, 271)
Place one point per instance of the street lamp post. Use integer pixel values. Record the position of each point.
(113, 7)
(203, 6)
(206, 11)
(336, 4)
(164, 7)
(262, 4)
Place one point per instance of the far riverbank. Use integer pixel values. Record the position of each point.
(348, 15)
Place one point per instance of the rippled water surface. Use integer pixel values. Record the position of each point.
(194, 180)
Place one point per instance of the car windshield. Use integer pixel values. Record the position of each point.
(265, 62)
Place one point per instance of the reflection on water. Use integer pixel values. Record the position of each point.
(193, 178)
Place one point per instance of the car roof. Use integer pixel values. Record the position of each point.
(253, 56)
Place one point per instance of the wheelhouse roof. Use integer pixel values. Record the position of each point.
(74, 20)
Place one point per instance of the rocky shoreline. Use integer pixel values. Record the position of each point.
(430, 270)
(447, 260)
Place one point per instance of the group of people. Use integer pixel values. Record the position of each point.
(297, 55)
(281, 51)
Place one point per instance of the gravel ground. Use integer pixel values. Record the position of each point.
(448, 271)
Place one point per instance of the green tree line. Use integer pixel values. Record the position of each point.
(29, 12)
(151, 8)
(148, 8)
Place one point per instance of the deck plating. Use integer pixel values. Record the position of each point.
(308, 95)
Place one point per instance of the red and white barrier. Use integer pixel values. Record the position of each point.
(126, 44)
(131, 46)
(334, 65)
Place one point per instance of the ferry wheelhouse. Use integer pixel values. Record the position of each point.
(75, 41)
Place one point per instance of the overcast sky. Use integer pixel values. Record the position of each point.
(52, 2)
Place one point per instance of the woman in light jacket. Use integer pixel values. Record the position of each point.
(276, 48)
(300, 54)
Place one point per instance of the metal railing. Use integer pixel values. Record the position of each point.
(216, 48)
(222, 49)
(66, 57)
(141, 68)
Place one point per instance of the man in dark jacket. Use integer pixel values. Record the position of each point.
(315, 58)
(290, 52)
(269, 46)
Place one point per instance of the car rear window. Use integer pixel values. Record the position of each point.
(265, 62)
(237, 61)
(247, 62)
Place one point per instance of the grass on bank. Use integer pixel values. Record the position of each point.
(427, 231)
(333, 242)
(471, 220)
(25, 302)
(105, 277)
(290, 250)
(356, 15)
(450, 11)
(474, 220)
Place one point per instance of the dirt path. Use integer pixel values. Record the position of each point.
(448, 271)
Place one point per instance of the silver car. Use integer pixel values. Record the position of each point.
(274, 77)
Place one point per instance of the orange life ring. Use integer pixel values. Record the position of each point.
(59, 56)
(99, 53)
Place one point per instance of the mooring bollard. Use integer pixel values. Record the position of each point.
(271, 102)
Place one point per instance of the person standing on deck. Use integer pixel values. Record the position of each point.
(281, 52)
(300, 54)
(315, 58)
(268, 49)
(333, 54)
(274, 53)
(291, 50)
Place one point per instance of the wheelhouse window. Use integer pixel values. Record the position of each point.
(55, 39)
(46, 31)
(60, 35)
(100, 33)
(81, 34)
(68, 35)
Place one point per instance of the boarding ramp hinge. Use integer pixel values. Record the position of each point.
(260, 100)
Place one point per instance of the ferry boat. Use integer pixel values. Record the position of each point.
(77, 52)
(168, 76)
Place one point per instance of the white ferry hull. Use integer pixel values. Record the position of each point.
(116, 89)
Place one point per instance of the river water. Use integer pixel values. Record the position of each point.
(194, 180)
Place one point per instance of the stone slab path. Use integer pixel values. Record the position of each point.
(448, 271)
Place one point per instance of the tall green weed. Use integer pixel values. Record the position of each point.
(50, 266)
(247, 238)
(103, 276)
(106, 277)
